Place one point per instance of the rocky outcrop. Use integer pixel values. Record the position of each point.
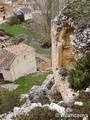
(29, 105)
(62, 55)
(70, 40)
(38, 97)
(81, 41)
(44, 93)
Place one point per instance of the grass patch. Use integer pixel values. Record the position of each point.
(19, 29)
(14, 29)
(40, 50)
(27, 82)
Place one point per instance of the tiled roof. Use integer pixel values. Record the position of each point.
(8, 54)
(6, 59)
(20, 48)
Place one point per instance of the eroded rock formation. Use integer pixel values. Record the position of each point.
(70, 40)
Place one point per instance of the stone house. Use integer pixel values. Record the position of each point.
(17, 60)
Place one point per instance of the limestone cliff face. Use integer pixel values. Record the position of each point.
(62, 56)
(70, 41)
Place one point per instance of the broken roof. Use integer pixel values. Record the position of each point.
(6, 59)
(7, 55)
(18, 12)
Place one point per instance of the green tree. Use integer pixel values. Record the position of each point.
(79, 77)
(12, 20)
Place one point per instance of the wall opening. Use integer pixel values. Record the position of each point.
(1, 78)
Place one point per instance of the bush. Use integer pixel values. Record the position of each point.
(79, 77)
(8, 100)
(13, 20)
(40, 113)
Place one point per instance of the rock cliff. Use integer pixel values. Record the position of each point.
(70, 34)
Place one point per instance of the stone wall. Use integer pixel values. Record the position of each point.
(23, 64)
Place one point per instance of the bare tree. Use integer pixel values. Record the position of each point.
(49, 9)
(46, 10)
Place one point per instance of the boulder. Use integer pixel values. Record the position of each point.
(78, 103)
(87, 89)
(40, 93)
(59, 109)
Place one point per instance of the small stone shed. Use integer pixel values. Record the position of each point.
(19, 15)
(17, 60)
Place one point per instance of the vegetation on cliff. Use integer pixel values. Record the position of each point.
(39, 113)
(44, 113)
(78, 9)
(79, 77)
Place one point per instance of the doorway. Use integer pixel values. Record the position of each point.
(1, 78)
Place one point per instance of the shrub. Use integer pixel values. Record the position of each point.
(40, 113)
(79, 77)
(12, 20)
(8, 100)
